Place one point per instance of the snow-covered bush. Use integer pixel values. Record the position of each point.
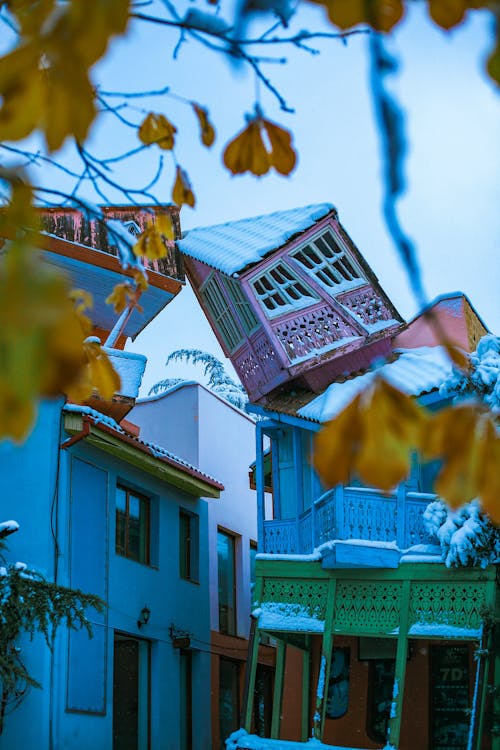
(483, 379)
(466, 536)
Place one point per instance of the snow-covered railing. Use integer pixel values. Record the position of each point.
(351, 513)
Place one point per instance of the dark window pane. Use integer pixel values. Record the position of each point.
(121, 520)
(227, 608)
(189, 546)
(132, 525)
(229, 708)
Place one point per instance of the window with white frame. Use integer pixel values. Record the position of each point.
(246, 315)
(279, 290)
(326, 260)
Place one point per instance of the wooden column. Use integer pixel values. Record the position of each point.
(259, 484)
(400, 668)
(299, 485)
(251, 665)
(324, 666)
(279, 676)
(401, 515)
(306, 667)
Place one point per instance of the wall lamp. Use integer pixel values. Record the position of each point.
(144, 617)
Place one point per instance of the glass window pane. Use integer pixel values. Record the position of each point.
(225, 557)
(229, 709)
(121, 521)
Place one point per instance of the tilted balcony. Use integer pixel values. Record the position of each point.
(345, 513)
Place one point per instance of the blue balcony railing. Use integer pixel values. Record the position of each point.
(352, 513)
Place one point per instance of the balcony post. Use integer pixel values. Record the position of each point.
(401, 515)
(259, 484)
(279, 676)
(400, 669)
(324, 668)
(339, 513)
(299, 486)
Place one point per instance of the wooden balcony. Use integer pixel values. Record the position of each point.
(351, 513)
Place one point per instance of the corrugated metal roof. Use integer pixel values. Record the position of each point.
(233, 246)
(415, 372)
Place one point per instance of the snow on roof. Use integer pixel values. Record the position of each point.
(232, 246)
(415, 372)
(107, 422)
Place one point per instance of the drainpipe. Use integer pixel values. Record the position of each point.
(122, 321)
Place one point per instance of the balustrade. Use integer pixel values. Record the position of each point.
(351, 513)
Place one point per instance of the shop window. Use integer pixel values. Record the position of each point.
(337, 701)
(380, 689)
(189, 544)
(449, 697)
(229, 699)
(227, 582)
(132, 525)
(263, 701)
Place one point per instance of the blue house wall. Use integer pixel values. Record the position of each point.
(70, 494)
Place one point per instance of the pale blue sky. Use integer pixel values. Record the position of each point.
(451, 208)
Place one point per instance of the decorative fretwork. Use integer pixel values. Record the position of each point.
(309, 595)
(266, 356)
(369, 516)
(280, 537)
(370, 607)
(325, 526)
(312, 331)
(366, 305)
(414, 528)
(305, 533)
(452, 604)
(247, 367)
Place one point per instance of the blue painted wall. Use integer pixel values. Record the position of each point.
(74, 709)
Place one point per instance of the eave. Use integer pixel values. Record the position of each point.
(141, 455)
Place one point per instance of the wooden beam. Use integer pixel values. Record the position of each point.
(306, 669)
(400, 668)
(324, 669)
(279, 676)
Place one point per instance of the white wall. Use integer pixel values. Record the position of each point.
(192, 422)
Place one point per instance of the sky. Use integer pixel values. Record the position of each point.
(451, 207)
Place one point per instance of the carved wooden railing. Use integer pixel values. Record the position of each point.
(352, 513)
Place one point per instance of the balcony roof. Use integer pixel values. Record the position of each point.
(233, 246)
(414, 371)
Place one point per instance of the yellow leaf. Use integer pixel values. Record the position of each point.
(81, 299)
(164, 226)
(246, 152)
(140, 279)
(372, 437)
(447, 13)
(207, 131)
(157, 129)
(283, 156)
(457, 355)
(493, 64)
(182, 192)
(103, 377)
(120, 296)
(337, 444)
(150, 244)
(464, 437)
(381, 15)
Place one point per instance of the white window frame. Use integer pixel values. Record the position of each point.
(325, 271)
(283, 289)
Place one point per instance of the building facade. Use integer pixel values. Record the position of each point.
(378, 643)
(213, 434)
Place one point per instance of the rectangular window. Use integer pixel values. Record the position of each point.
(279, 291)
(325, 260)
(246, 314)
(132, 525)
(131, 718)
(229, 699)
(189, 544)
(227, 583)
(221, 314)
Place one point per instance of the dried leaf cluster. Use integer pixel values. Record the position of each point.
(375, 435)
